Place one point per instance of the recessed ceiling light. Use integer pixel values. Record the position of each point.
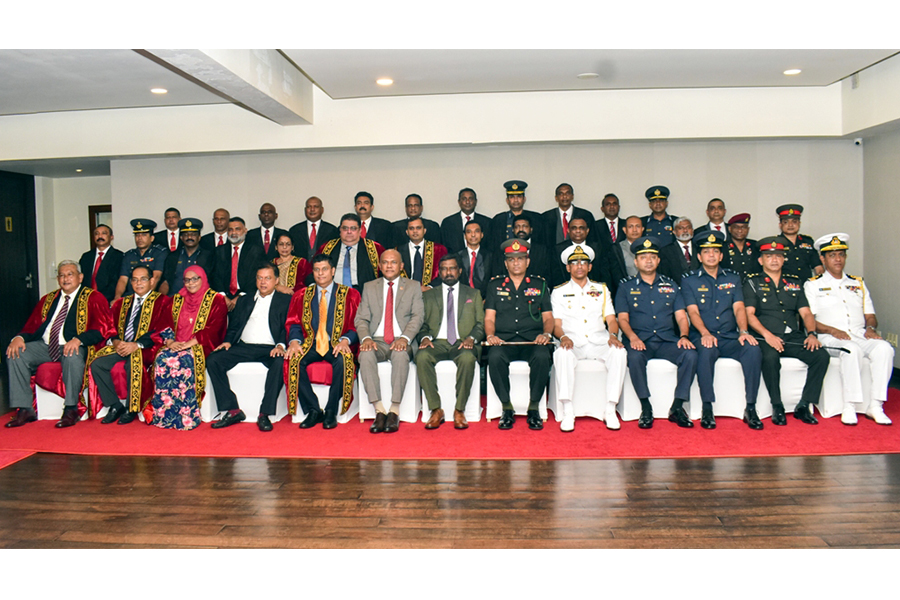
(78, 170)
(588, 76)
(792, 72)
(159, 90)
(384, 81)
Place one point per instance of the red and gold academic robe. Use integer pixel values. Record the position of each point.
(431, 259)
(297, 273)
(209, 329)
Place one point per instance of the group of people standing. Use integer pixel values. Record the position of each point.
(181, 305)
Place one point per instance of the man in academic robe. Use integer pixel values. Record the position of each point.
(309, 235)
(373, 228)
(321, 327)
(413, 204)
(68, 325)
(453, 227)
(557, 220)
(266, 235)
(140, 318)
(421, 256)
(100, 266)
(234, 273)
(355, 257)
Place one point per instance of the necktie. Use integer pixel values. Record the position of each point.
(233, 288)
(312, 238)
(451, 318)
(417, 265)
(687, 254)
(347, 278)
(612, 231)
(362, 230)
(53, 346)
(389, 315)
(266, 241)
(172, 244)
(129, 329)
(718, 227)
(221, 240)
(96, 268)
(472, 271)
(322, 334)
(565, 227)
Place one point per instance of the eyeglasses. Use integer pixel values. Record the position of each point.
(139, 279)
(191, 279)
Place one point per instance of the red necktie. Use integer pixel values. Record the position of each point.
(234, 265)
(612, 231)
(718, 227)
(472, 271)
(362, 231)
(389, 315)
(172, 244)
(312, 238)
(96, 268)
(266, 241)
(221, 240)
(687, 254)
(565, 227)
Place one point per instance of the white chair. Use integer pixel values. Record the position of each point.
(831, 401)
(248, 382)
(321, 392)
(662, 376)
(731, 397)
(588, 398)
(446, 381)
(50, 406)
(519, 393)
(410, 402)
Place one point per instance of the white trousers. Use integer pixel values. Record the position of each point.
(564, 362)
(881, 356)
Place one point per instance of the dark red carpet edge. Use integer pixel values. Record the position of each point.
(482, 441)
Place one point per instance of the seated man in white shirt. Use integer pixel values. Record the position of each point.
(845, 318)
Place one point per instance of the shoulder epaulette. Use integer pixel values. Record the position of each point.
(789, 275)
(814, 277)
(497, 277)
(749, 275)
(560, 285)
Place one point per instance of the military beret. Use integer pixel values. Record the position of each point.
(739, 218)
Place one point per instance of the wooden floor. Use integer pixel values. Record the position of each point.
(60, 501)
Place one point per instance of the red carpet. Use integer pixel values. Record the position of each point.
(482, 440)
(8, 457)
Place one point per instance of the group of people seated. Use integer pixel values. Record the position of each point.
(551, 289)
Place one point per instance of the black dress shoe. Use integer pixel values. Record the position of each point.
(802, 413)
(507, 419)
(115, 412)
(752, 419)
(69, 418)
(534, 420)
(23, 416)
(314, 417)
(263, 422)
(778, 417)
(228, 419)
(378, 424)
(127, 418)
(680, 418)
(646, 419)
(708, 420)
(329, 421)
(392, 424)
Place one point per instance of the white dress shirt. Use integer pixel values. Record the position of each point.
(841, 303)
(257, 329)
(339, 270)
(62, 300)
(397, 331)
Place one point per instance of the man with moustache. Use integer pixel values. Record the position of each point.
(715, 211)
(659, 224)
(741, 253)
(503, 224)
(611, 229)
(558, 220)
(800, 256)
(679, 258)
(579, 235)
(169, 237)
(622, 265)
(413, 205)
(145, 253)
(453, 227)
(357, 258)
(311, 234)
(101, 265)
(236, 263)
(373, 228)
(219, 235)
(422, 256)
(190, 254)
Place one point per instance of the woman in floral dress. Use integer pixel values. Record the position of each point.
(200, 317)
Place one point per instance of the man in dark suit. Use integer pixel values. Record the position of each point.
(373, 228)
(420, 255)
(355, 257)
(310, 235)
(453, 227)
(557, 220)
(715, 210)
(452, 330)
(236, 263)
(475, 260)
(256, 333)
(101, 265)
(219, 235)
(579, 234)
(266, 236)
(539, 257)
(414, 211)
(622, 263)
(502, 223)
(169, 237)
(679, 257)
(610, 229)
(190, 254)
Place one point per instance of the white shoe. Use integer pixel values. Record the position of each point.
(876, 413)
(848, 417)
(612, 421)
(568, 416)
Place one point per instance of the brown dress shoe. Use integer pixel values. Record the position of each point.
(392, 423)
(69, 418)
(459, 420)
(23, 415)
(436, 419)
(378, 424)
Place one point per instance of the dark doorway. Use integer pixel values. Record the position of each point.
(18, 254)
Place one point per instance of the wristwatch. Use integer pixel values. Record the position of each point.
(744, 332)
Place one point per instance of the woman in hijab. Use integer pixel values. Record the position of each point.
(200, 318)
(292, 270)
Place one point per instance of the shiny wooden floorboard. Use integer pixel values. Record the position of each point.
(61, 501)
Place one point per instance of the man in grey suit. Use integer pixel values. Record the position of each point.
(389, 317)
(453, 330)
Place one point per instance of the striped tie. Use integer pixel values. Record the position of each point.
(53, 346)
(129, 329)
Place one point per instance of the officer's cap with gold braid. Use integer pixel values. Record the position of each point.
(515, 247)
(515, 187)
(644, 245)
(832, 241)
(773, 243)
(577, 252)
(190, 224)
(709, 239)
(657, 192)
(789, 211)
(142, 225)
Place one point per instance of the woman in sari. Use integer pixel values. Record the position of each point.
(200, 318)
(292, 270)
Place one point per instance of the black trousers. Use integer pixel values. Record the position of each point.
(218, 363)
(539, 363)
(816, 362)
(306, 396)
